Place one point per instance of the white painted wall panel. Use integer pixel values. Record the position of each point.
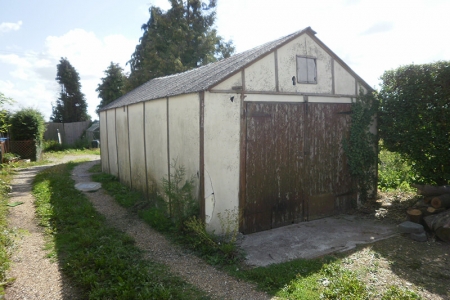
(260, 76)
(287, 66)
(323, 99)
(360, 87)
(123, 154)
(184, 133)
(273, 98)
(227, 84)
(221, 145)
(295, 98)
(104, 142)
(112, 148)
(137, 153)
(344, 83)
(156, 141)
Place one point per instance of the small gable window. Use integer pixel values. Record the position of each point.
(306, 69)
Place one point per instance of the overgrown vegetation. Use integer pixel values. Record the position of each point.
(81, 144)
(394, 172)
(414, 114)
(102, 261)
(360, 147)
(6, 240)
(176, 214)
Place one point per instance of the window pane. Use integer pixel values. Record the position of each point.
(306, 70)
(311, 70)
(302, 69)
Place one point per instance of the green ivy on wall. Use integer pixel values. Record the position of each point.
(361, 145)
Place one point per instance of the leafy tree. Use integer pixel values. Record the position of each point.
(415, 118)
(71, 105)
(112, 86)
(27, 124)
(4, 114)
(180, 39)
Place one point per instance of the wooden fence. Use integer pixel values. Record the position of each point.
(70, 132)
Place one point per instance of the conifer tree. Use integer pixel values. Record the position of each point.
(112, 86)
(178, 40)
(71, 105)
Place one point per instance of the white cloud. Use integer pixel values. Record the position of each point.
(34, 73)
(6, 27)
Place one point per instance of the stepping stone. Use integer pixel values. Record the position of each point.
(88, 186)
(410, 227)
(420, 237)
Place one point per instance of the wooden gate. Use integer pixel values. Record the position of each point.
(295, 165)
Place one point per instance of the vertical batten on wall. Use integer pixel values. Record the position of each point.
(277, 84)
(117, 144)
(145, 150)
(333, 82)
(129, 145)
(242, 149)
(168, 139)
(201, 194)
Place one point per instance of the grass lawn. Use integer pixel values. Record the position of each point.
(102, 261)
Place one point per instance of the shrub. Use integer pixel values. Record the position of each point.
(414, 115)
(27, 124)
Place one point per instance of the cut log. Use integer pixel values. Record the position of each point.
(441, 201)
(414, 215)
(440, 225)
(427, 199)
(430, 190)
(431, 210)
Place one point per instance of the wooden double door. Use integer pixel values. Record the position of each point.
(295, 166)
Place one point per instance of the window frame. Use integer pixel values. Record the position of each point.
(307, 70)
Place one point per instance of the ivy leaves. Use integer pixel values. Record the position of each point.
(360, 146)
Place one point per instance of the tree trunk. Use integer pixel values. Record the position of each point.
(440, 225)
(430, 190)
(441, 201)
(414, 215)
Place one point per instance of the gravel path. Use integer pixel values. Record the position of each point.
(192, 269)
(37, 277)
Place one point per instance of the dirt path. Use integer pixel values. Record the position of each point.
(37, 277)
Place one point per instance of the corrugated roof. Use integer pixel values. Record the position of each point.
(202, 78)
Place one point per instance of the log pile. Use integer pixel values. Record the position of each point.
(435, 210)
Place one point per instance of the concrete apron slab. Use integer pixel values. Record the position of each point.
(313, 239)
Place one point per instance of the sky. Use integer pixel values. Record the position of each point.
(370, 36)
